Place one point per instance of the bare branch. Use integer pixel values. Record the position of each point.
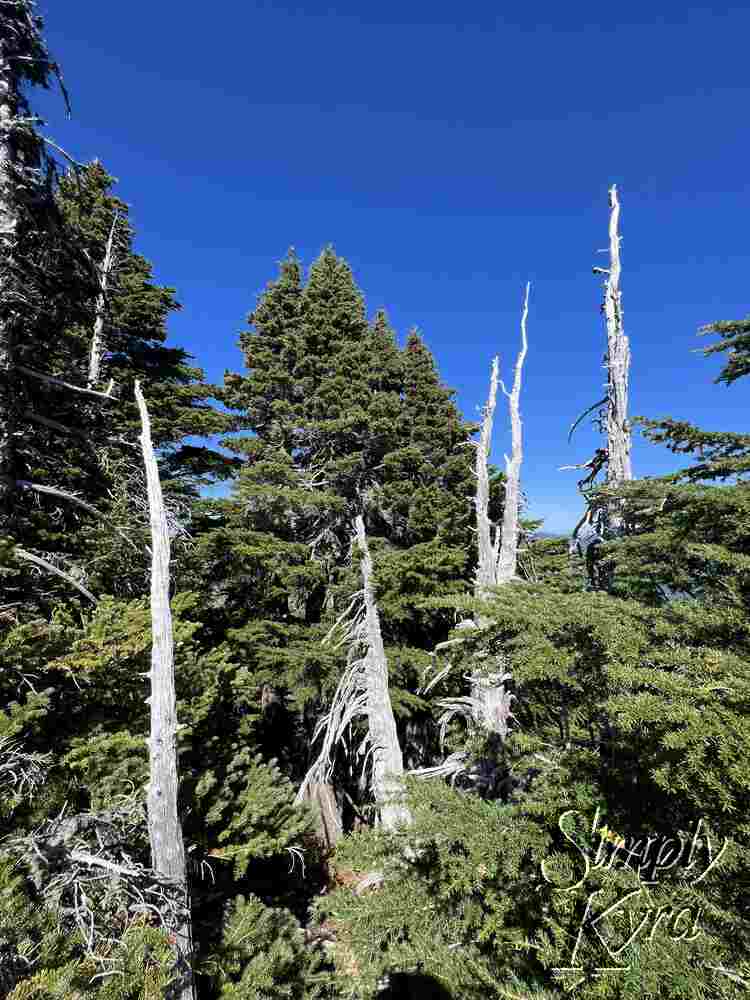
(54, 380)
(585, 413)
(43, 564)
(53, 491)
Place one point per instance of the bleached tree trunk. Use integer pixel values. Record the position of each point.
(508, 556)
(100, 308)
(486, 543)
(619, 467)
(8, 234)
(165, 833)
(387, 759)
(498, 557)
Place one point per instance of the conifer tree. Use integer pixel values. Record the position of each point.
(734, 340)
(37, 259)
(342, 421)
(82, 438)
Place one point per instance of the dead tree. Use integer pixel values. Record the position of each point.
(96, 352)
(165, 833)
(612, 417)
(387, 760)
(507, 559)
(363, 693)
(498, 555)
(488, 706)
(619, 468)
(498, 546)
(488, 540)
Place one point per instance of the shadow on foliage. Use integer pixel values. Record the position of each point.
(413, 986)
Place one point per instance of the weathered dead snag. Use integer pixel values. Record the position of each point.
(612, 416)
(363, 692)
(488, 707)
(507, 560)
(498, 545)
(165, 833)
(619, 468)
(100, 308)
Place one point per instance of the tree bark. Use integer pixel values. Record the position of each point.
(165, 833)
(322, 798)
(498, 557)
(508, 557)
(100, 309)
(619, 468)
(387, 759)
(486, 544)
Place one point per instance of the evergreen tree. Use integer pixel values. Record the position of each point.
(342, 422)
(82, 442)
(734, 340)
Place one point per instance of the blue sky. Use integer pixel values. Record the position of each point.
(450, 152)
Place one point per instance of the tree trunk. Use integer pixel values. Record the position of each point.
(619, 467)
(165, 833)
(498, 558)
(508, 557)
(322, 798)
(8, 235)
(100, 309)
(387, 759)
(486, 544)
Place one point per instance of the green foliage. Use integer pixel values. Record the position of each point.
(39, 961)
(262, 954)
(735, 341)
(490, 899)
(253, 808)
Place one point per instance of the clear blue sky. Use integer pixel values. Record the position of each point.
(450, 152)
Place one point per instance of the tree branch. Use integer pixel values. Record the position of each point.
(53, 380)
(43, 564)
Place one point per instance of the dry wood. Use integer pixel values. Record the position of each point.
(43, 564)
(322, 798)
(508, 556)
(165, 833)
(618, 358)
(54, 380)
(24, 484)
(362, 692)
(100, 308)
(387, 759)
(489, 702)
(486, 533)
